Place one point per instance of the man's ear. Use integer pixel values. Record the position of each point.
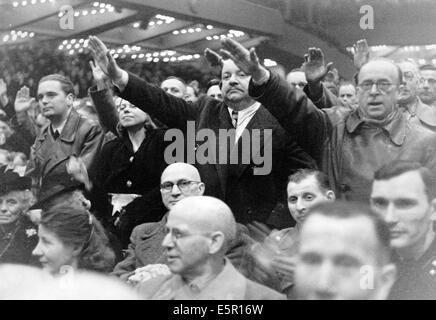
(330, 194)
(216, 242)
(70, 98)
(201, 188)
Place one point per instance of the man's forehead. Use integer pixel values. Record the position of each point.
(49, 85)
(309, 183)
(406, 66)
(379, 69)
(428, 74)
(408, 184)
(173, 83)
(296, 76)
(347, 88)
(229, 66)
(175, 174)
(340, 233)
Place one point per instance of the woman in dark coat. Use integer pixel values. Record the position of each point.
(129, 166)
(18, 235)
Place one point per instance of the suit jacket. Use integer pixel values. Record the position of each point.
(250, 196)
(228, 285)
(80, 137)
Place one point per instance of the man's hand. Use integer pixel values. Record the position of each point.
(360, 53)
(23, 101)
(246, 60)
(97, 73)
(314, 66)
(77, 170)
(284, 266)
(104, 59)
(214, 59)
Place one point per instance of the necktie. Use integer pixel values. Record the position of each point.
(235, 118)
(56, 134)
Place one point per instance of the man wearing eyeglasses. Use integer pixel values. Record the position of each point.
(178, 181)
(198, 233)
(408, 99)
(349, 145)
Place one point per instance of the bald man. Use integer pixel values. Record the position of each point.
(199, 232)
(178, 181)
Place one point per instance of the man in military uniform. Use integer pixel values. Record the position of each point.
(404, 193)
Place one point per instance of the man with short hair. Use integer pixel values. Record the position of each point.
(214, 90)
(297, 78)
(408, 100)
(344, 253)
(199, 232)
(349, 145)
(347, 94)
(404, 193)
(427, 89)
(174, 86)
(68, 133)
(274, 260)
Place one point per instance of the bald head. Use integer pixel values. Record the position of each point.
(383, 64)
(207, 214)
(180, 169)
(178, 181)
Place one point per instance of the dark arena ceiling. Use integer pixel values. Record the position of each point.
(179, 30)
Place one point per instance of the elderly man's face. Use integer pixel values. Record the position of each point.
(347, 94)
(174, 87)
(303, 195)
(130, 116)
(297, 79)
(331, 255)
(10, 207)
(189, 186)
(234, 83)
(186, 243)
(378, 89)
(427, 89)
(403, 203)
(411, 80)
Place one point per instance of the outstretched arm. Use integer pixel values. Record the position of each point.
(170, 110)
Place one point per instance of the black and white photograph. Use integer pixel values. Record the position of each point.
(228, 151)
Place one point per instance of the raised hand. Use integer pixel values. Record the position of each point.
(23, 101)
(360, 53)
(214, 59)
(104, 59)
(97, 73)
(77, 170)
(246, 60)
(314, 66)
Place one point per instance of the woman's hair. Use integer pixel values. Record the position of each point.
(75, 226)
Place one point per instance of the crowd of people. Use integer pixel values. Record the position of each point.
(342, 205)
